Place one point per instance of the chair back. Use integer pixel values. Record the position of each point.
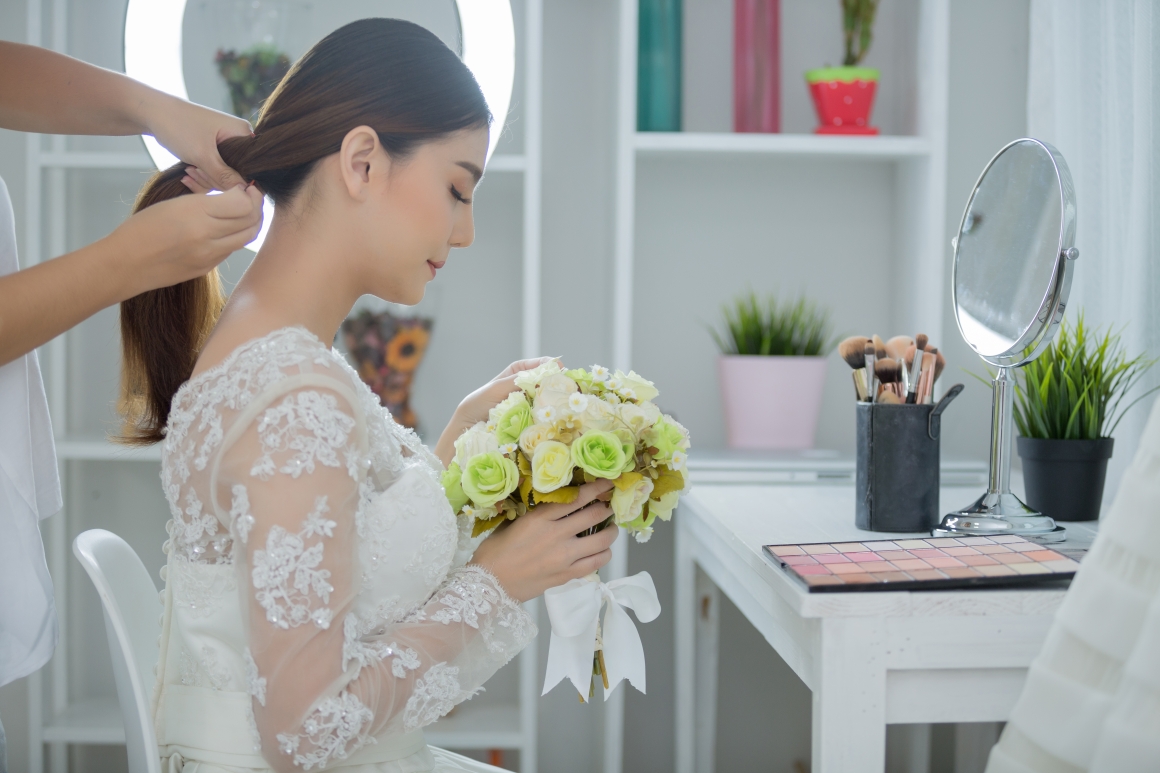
(132, 610)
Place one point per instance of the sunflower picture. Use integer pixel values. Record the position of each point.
(387, 350)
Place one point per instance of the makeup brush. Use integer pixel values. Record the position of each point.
(887, 370)
(905, 379)
(896, 347)
(926, 380)
(940, 362)
(861, 391)
(851, 350)
(889, 398)
(920, 342)
(879, 347)
(871, 381)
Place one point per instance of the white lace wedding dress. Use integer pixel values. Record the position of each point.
(318, 606)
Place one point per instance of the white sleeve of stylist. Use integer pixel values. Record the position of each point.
(29, 492)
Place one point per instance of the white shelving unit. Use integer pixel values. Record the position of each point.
(56, 721)
(919, 162)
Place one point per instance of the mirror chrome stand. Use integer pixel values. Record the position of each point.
(999, 511)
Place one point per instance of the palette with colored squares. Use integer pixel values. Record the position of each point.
(924, 564)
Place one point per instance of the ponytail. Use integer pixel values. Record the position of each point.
(391, 75)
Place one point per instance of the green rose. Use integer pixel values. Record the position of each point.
(600, 454)
(453, 488)
(551, 466)
(663, 508)
(489, 477)
(512, 422)
(582, 378)
(665, 437)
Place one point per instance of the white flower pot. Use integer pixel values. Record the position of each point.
(771, 403)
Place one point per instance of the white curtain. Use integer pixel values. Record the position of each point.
(1092, 697)
(1094, 93)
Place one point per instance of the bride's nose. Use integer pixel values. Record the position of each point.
(463, 233)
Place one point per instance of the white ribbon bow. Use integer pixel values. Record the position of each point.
(574, 611)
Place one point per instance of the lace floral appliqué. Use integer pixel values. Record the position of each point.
(286, 573)
(332, 731)
(307, 423)
(434, 695)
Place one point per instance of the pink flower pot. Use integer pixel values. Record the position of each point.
(771, 403)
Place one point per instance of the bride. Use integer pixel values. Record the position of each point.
(322, 604)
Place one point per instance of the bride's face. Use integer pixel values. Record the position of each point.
(409, 214)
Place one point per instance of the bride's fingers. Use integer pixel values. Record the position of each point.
(594, 543)
(592, 515)
(588, 494)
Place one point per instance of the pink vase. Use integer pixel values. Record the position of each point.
(756, 66)
(771, 403)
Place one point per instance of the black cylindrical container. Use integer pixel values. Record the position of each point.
(898, 467)
(1064, 479)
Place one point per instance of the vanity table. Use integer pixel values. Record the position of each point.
(870, 658)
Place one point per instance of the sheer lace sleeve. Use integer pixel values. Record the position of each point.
(291, 481)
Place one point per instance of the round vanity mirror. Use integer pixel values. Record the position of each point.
(177, 46)
(1010, 282)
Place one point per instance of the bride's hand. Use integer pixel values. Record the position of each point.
(474, 408)
(540, 550)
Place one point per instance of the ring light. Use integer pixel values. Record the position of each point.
(153, 38)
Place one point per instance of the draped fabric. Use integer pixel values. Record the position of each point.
(1094, 92)
(1092, 697)
(319, 607)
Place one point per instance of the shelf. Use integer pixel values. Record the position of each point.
(887, 148)
(482, 726)
(96, 721)
(96, 447)
(809, 467)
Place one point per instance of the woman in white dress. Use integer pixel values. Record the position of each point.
(322, 604)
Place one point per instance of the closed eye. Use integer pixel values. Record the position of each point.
(459, 196)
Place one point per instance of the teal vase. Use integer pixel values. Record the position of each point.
(658, 67)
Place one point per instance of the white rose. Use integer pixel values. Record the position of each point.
(528, 380)
(554, 392)
(628, 503)
(639, 387)
(663, 508)
(474, 442)
(509, 402)
(638, 418)
(598, 415)
(533, 436)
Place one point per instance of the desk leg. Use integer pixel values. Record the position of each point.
(708, 634)
(685, 618)
(849, 698)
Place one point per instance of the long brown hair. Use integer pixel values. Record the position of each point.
(391, 75)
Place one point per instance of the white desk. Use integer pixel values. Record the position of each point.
(870, 659)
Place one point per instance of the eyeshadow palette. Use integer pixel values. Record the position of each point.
(924, 564)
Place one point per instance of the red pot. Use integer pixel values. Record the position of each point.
(843, 98)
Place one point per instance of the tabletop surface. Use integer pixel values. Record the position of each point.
(790, 506)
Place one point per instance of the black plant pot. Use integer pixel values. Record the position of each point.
(1064, 479)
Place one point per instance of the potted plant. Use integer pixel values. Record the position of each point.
(843, 96)
(771, 369)
(1067, 405)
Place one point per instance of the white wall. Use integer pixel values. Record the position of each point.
(689, 243)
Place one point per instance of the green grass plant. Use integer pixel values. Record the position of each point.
(768, 327)
(1075, 389)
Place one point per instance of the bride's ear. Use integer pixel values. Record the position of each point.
(360, 151)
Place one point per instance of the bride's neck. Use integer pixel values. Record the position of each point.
(298, 277)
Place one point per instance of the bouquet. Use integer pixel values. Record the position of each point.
(564, 428)
(558, 430)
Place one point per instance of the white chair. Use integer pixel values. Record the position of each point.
(132, 609)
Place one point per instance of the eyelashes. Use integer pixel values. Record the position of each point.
(459, 196)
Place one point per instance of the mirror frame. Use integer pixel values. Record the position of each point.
(153, 46)
(1039, 333)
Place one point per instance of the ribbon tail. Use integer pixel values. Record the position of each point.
(570, 659)
(623, 651)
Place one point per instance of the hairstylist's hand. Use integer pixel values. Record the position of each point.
(473, 408)
(192, 133)
(185, 237)
(540, 550)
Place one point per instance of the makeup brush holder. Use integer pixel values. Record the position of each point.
(898, 467)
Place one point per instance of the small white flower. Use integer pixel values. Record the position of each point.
(678, 459)
(508, 448)
(627, 394)
(490, 426)
(546, 415)
(578, 402)
(600, 373)
(614, 383)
